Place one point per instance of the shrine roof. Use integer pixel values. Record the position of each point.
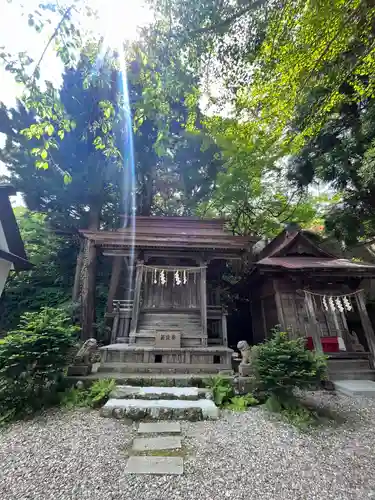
(300, 263)
(172, 232)
(295, 250)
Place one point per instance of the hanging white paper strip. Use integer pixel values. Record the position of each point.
(163, 279)
(341, 343)
(339, 304)
(347, 303)
(331, 304)
(325, 305)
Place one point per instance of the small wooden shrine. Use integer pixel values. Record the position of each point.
(164, 304)
(306, 290)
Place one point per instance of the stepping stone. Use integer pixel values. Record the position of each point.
(159, 428)
(160, 409)
(356, 387)
(129, 392)
(157, 443)
(155, 465)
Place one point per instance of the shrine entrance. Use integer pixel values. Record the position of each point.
(166, 288)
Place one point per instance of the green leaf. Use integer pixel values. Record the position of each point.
(67, 178)
(49, 129)
(61, 134)
(43, 154)
(43, 165)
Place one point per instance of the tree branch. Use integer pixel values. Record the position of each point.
(229, 20)
(52, 37)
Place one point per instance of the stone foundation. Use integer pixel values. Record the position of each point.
(151, 359)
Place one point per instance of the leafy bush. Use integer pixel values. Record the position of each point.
(222, 390)
(224, 395)
(49, 282)
(32, 361)
(95, 396)
(282, 365)
(241, 403)
(294, 411)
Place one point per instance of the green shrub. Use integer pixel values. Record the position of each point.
(222, 390)
(99, 392)
(94, 396)
(282, 364)
(32, 362)
(241, 403)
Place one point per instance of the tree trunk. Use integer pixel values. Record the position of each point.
(88, 292)
(89, 277)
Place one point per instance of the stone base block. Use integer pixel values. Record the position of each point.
(140, 409)
(79, 370)
(149, 393)
(245, 370)
(244, 385)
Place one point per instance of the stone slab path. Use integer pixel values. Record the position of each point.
(158, 442)
(159, 428)
(155, 465)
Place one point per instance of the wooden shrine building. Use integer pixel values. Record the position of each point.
(164, 308)
(311, 293)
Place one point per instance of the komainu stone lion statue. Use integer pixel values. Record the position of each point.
(245, 351)
(244, 368)
(85, 357)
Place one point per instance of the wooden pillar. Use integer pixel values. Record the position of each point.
(115, 278)
(313, 323)
(88, 291)
(137, 300)
(366, 322)
(114, 333)
(279, 307)
(203, 294)
(78, 272)
(224, 328)
(264, 323)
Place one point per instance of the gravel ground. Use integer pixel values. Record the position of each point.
(79, 455)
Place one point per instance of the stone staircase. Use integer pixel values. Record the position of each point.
(355, 368)
(160, 403)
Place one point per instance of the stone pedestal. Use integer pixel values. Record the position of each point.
(244, 370)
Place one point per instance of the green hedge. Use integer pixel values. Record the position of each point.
(32, 361)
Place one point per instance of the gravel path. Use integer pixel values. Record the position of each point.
(79, 455)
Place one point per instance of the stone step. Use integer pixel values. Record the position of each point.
(160, 409)
(352, 375)
(132, 392)
(159, 428)
(356, 387)
(157, 443)
(161, 368)
(156, 379)
(151, 334)
(155, 465)
(348, 364)
(152, 314)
